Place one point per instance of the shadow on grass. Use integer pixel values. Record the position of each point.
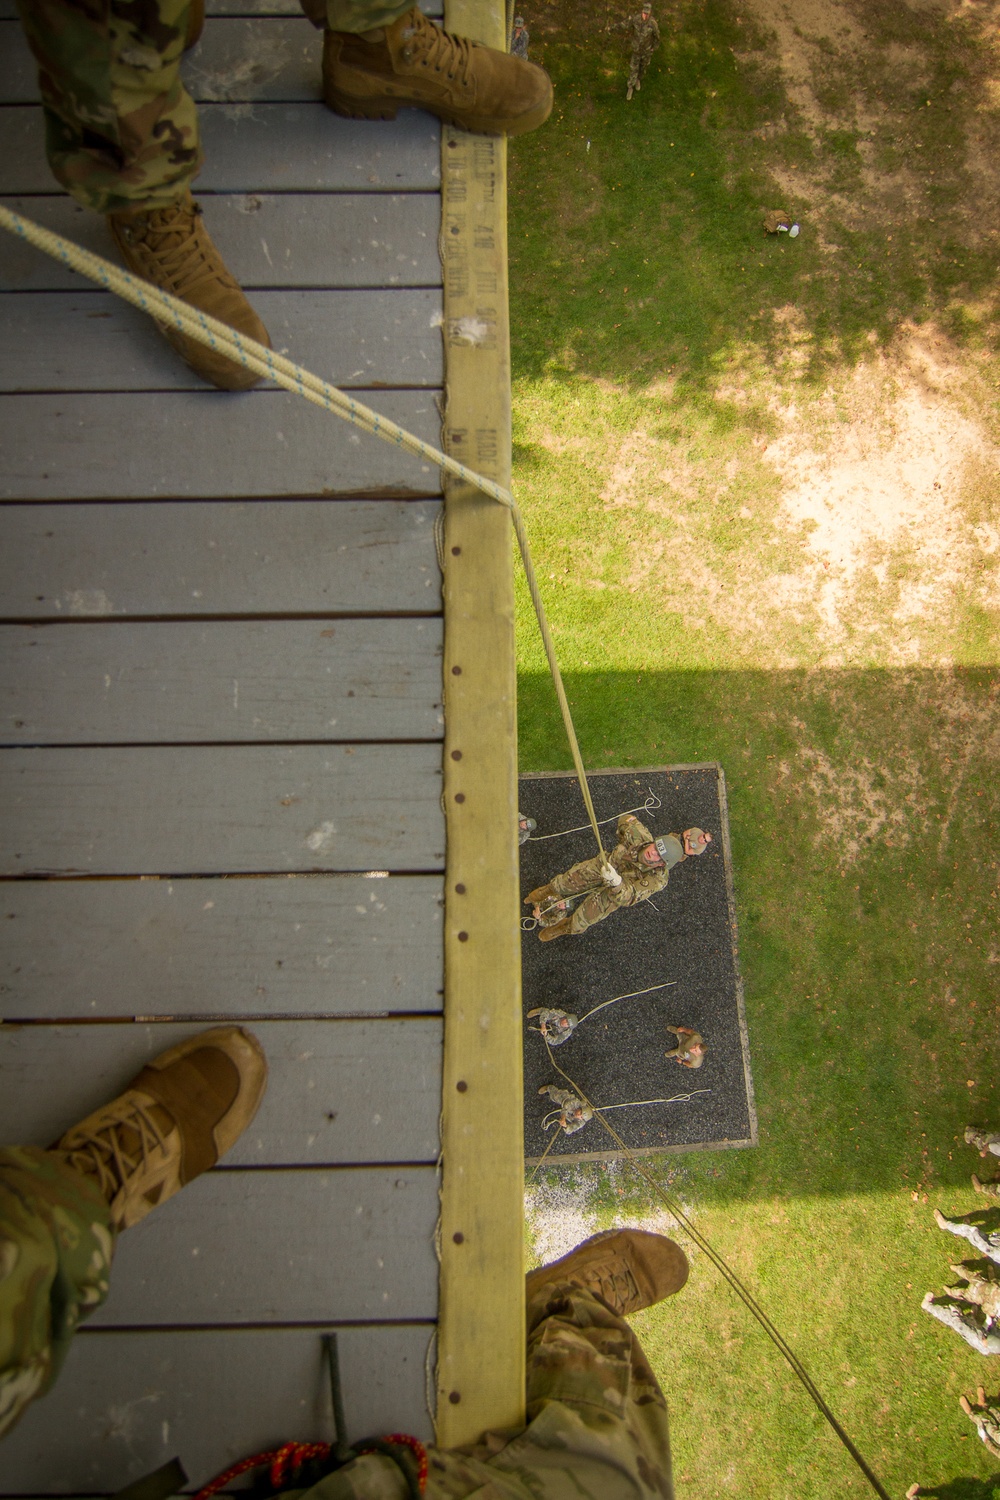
(636, 246)
(862, 813)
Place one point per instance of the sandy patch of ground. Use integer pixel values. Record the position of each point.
(861, 534)
(880, 489)
(559, 1215)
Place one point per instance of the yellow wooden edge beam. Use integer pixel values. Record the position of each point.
(480, 1380)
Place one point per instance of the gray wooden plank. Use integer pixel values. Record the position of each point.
(346, 1244)
(209, 444)
(89, 340)
(218, 808)
(249, 59)
(126, 1402)
(338, 1091)
(255, 680)
(237, 60)
(271, 148)
(8, 9)
(266, 239)
(313, 945)
(261, 7)
(314, 557)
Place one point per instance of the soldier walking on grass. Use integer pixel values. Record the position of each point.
(644, 35)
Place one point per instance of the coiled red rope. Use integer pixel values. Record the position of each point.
(284, 1462)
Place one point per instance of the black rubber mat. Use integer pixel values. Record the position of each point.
(686, 934)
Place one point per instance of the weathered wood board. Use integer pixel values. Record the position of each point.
(208, 444)
(337, 1092)
(252, 680)
(92, 341)
(8, 9)
(148, 559)
(275, 147)
(344, 1245)
(312, 945)
(127, 1402)
(221, 809)
(266, 239)
(238, 60)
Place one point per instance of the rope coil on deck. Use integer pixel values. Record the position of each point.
(270, 365)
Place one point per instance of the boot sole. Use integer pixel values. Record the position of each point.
(352, 108)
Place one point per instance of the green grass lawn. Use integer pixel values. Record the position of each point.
(760, 480)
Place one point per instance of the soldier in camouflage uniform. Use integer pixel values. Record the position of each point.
(986, 1415)
(642, 863)
(122, 131)
(596, 1417)
(519, 38)
(644, 35)
(56, 1244)
(571, 1113)
(597, 1420)
(61, 1209)
(690, 1049)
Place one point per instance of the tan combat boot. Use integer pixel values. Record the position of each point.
(172, 248)
(629, 1269)
(548, 934)
(182, 1112)
(372, 74)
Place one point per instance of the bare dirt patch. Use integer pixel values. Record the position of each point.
(865, 532)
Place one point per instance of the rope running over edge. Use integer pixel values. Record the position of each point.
(268, 364)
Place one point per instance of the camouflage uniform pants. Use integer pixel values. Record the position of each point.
(55, 1255)
(120, 127)
(637, 66)
(601, 901)
(597, 1422)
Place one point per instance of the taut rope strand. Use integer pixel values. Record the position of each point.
(292, 377)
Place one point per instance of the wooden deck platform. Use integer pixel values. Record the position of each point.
(228, 766)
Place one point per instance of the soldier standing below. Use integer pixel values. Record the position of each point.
(641, 863)
(519, 39)
(644, 34)
(690, 1049)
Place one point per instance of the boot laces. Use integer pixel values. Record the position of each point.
(617, 1285)
(117, 1149)
(430, 46)
(172, 237)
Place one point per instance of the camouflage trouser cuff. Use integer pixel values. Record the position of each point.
(358, 15)
(56, 1245)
